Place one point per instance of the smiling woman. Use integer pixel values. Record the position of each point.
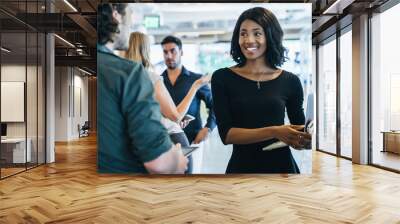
(252, 40)
(265, 27)
(250, 98)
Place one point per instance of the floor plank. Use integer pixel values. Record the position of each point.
(71, 191)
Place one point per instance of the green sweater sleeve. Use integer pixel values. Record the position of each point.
(142, 114)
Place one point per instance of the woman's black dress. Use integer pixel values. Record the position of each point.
(243, 103)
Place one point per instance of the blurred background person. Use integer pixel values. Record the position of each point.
(139, 51)
(131, 138)
(178, 81)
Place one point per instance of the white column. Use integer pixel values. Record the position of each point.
(360, 90)
(50, 92)
(50, 100)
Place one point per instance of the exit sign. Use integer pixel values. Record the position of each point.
(151, 21)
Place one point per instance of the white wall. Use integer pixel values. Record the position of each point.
(80, 110)
(16, 73)
(71, 94)
(33, 127)
(61, 103)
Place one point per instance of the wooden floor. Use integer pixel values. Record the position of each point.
(387, 159)
(71, 191)
(10, 171)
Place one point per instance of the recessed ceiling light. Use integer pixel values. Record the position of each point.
(64, 40)
(5, 50)
(337, 7)
(70, 5)
(84, 71)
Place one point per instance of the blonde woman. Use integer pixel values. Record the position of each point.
(139, 51)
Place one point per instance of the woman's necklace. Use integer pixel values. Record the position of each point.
(259, 78)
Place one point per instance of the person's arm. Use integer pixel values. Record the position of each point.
(221, 106)
(288, 134)
(248, 136)
(294, 106)
(167, 105)
(234, 135)
(295, 109)
(184, 105)
(152, 143)
(206, 95)
(162, 163)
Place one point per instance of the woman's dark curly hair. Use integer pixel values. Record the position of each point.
(106, 24)
(275, 55)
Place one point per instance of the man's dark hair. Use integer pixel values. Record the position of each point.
(106, 24)
(275, 55)
(172, 39)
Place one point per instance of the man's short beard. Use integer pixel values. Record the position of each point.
(174, 66)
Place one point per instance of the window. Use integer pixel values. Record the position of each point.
(327, 97)
(22, 65)
(385, 89)
(346, 94)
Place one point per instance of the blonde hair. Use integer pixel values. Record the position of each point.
(139, 49)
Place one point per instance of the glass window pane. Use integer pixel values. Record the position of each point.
(327, 97)
(385, 86)
(23, 85)
(14, 146)
(346, 94)
(31, 97)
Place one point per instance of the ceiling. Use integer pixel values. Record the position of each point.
(74, 21)
(214, 22)
(75, 28)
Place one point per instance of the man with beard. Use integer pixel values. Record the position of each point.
(131, 138)
(178, 81)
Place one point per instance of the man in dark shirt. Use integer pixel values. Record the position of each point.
(178, 81)
(131, 138)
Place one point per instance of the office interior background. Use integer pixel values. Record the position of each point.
(48, 49)
(48, 77)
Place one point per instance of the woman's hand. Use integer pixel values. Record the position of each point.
(293, 135)
(204, 80)
(183, 123)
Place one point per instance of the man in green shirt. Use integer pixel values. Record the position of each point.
(130, 136)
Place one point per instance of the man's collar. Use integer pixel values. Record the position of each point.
(184, 71)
